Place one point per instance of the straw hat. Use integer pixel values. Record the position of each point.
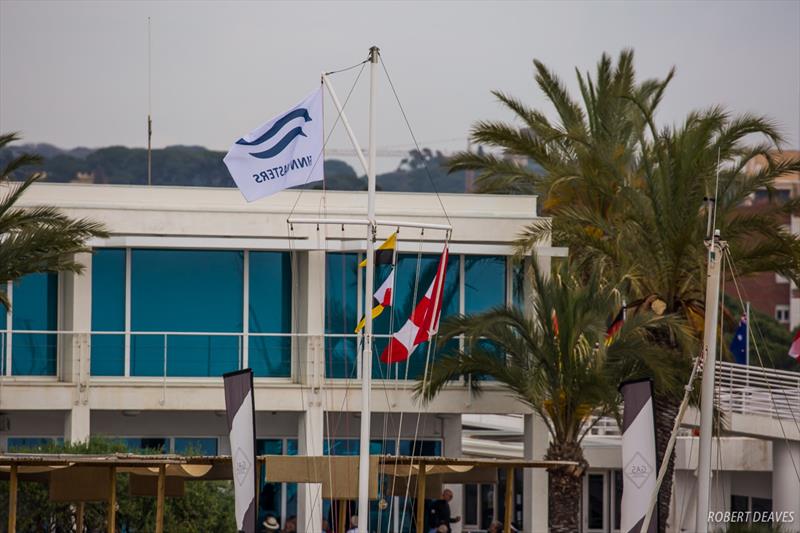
(271, 524)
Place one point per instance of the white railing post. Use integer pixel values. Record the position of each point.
(164, 378)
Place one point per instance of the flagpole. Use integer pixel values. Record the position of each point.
(366, 354)
(747, 334)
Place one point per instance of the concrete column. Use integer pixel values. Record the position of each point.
(535, 442)
(785, 485)
(75, 295)
(309, 496)
(76, 424)
(451, 432)
(310, 371)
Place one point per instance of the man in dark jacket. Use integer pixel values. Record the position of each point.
(440, 511)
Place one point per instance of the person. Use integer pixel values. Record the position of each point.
(270, 524)
(495, 527)
(353, 524)
(440, 511)
(291, 525)
(326, 528)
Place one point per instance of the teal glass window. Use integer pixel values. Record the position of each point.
(146, 444)
(108, 311)
(341, 314)
(30, 444)
(270, 311)
(34, 307)
(186, 291)
(271, 494)
(196, 445)
(484, 283)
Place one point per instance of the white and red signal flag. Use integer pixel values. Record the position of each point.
(794, 349)
(424, 320)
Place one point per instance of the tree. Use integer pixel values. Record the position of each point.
(37, 239)
(628, 197)
(558, 362)
(205, 506)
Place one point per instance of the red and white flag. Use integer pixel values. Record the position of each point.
(424, 320)
(794, 349)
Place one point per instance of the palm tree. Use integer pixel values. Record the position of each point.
(36, 239)
(628, 197)
(557, 361)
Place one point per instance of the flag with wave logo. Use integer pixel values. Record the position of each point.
(284, 152)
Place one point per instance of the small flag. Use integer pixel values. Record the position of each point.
(554, 320)
(281, 153)
(384, 255)
(794, 349)
(240, 408)
(615, 326)
(381, 299)
(423, 322)
(739, 342)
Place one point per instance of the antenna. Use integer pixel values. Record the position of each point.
(149, 108)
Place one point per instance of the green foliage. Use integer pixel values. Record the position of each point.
(206, 505)
(200, 167)
(37, 239)
(565, 372)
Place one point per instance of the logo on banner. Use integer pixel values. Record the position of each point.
(638, 470)
(287, 139)
(241, 466)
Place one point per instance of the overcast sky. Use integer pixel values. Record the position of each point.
(75, 73)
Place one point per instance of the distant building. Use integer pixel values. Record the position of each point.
(772, 293)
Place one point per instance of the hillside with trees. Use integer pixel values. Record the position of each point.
(199, 167)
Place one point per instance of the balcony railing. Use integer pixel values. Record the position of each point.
(757, 391)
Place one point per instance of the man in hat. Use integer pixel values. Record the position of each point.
(271, 524)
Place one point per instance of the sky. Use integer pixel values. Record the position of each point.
(76, 73)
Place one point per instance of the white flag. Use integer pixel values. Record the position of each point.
(282, 153)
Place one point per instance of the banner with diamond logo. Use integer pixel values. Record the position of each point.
(240, 407)
(638, 455)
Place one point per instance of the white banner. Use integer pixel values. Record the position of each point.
(639, 468)
(282, 153)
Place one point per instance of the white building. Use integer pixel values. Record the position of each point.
(194, 282)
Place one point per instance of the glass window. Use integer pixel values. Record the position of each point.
(269, 500)
(617, 498)
(270, 303)
(761, 505)
(341, 310)
(108, 311)
(34, 307)
(484, 283)
(30, 444)
(185, 291)
(471, 505)
(487, 505)
(739, 503)
(596, 500)
(196, 445)
(518, 284)
(146, 444)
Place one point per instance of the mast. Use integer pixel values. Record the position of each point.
(715, 249)
(366, 354)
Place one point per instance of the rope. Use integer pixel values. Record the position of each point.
(346, 68)
(327, 139)
(414, 138)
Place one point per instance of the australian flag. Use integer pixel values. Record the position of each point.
(739, 342)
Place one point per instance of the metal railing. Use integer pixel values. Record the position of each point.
(757, 391)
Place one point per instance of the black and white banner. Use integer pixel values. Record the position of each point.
(639, 467)
(240, 407)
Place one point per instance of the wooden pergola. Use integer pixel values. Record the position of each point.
(68, 475)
